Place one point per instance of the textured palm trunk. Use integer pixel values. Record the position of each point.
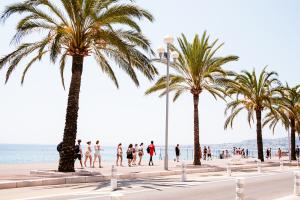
(196, 131)
(66, 162)
(293, 139)
(260, 149)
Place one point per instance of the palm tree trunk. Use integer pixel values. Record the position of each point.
(66, 162)
(293, 139)
(196, 131)
(260, 149)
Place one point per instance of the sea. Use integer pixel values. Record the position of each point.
(33, 153)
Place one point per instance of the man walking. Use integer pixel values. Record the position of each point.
(177, 152)
(151, 151)
(78, 152)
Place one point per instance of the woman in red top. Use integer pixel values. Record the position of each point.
(151, 152)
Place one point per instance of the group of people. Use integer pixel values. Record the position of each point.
(134, 151)
(78, 153)
(88, 153)
(132, 154)
(241, 151)
(269, 153)
(207, 153)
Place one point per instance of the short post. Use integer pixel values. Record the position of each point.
(281, 165)
(240, 182)
(183, 172)
(297, 184)
(114, 181)
(228, 169)
(259, 166)
(297, 161)
(116, 196)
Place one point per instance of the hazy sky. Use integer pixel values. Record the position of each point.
(260, 32)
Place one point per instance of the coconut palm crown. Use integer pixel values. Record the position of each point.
(105, 29)
(253, 94)
(286, 110)
(197, 69)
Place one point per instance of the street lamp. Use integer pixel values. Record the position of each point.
(164, 57)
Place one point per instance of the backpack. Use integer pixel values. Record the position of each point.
(59, 147)
(148, 149)
(77, 149)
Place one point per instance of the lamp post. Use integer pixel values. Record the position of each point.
(165, 56)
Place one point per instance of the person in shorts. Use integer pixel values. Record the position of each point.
(134, 152)
(209, 153)
(119, 155)
(151, 151)
(130, 155)
(141, 152)
(88, 154)
(177, 152)
(78, 152)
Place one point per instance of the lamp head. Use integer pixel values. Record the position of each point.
(161, 51)
(169, 39)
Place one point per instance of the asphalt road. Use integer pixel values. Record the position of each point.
(263, 186)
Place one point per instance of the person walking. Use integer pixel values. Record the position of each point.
(97, 154)
(134, 152)
(78, 152)
(88, 154)
(151, 151)
(129, 154)
(209, 153)
(119, 155)
(279, 153)
(177, 152)
(204, 153)
(297, 152)
(268, 153)
(141, 152)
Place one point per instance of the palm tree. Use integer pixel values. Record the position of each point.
(254, 94)
(286, 110)
(106, 29)
(197, 69)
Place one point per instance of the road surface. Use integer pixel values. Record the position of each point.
(215, 186)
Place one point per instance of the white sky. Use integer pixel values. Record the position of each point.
(260, 32)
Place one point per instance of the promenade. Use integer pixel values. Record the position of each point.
(272, 183)
(11, 172)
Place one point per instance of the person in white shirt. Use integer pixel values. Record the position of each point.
(97, 154)
(88, 154)
(141, 152)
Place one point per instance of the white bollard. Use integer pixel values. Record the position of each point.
(183, 172)
(240, 182)
(116, 196)
(297, 184)
(281, 165)
(259, 166)
(114, 180)
(228, 169)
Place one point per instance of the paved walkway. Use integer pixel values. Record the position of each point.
(12, 172)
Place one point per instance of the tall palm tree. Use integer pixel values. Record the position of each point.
(254, 94)
(197, 69)
(106, 29)
(286, 110)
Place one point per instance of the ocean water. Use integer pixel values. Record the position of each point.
(23, 153)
